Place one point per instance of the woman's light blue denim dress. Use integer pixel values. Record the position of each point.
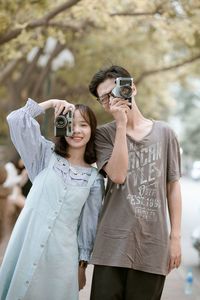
(57, 225)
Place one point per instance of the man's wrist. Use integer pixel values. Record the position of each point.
(175, 236)
(121, 125)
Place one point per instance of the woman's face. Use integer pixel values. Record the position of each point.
(81, 132)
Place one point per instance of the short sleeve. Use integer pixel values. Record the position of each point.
(104, 143)
(173, 158)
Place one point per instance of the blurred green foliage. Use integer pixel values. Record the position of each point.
(158, 41)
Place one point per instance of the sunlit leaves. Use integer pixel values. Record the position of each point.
(143, 36)
(4, 21)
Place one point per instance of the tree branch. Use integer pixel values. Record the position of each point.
(60, 9)
(45, 71)
(165, 69)
(29, 69)
(9, 69)
(37, 23)
(132, 14)
(157, 10)
(72, 27)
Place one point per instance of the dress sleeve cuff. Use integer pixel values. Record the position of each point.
(33, 108)
(84, 254)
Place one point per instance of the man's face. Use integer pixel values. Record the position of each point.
(104, 90)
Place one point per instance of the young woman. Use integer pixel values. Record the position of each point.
(57, 225)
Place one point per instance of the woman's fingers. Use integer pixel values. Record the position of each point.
(68, 107)
(62, 107)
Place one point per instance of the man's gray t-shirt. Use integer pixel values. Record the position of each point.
(132, 229)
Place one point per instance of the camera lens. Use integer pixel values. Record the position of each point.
(126, 91)
(61, 121)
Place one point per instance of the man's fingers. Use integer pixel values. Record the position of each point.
(118, 102)
(174, 263)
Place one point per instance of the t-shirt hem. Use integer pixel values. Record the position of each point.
(133, 266)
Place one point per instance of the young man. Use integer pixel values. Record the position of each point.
(133, 251)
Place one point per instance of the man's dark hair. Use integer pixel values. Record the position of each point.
(61, 145)
(103, 74)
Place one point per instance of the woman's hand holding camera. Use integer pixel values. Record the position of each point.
(60, 106)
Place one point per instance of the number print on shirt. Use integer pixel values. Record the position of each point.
(142, 180)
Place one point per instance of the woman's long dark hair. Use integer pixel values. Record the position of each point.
(61, 145)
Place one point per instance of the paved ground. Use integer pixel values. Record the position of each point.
(174, 287)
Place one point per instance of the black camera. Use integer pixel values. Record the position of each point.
(123, 88)
(64, 124)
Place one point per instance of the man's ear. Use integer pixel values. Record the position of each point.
(134, 90)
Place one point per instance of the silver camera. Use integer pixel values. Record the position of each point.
(123, 88)
(63, 125)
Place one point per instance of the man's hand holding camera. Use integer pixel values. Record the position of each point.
(121, 99)
(119, 109)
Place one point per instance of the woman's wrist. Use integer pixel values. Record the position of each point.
(47, 104)
(83, 264)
